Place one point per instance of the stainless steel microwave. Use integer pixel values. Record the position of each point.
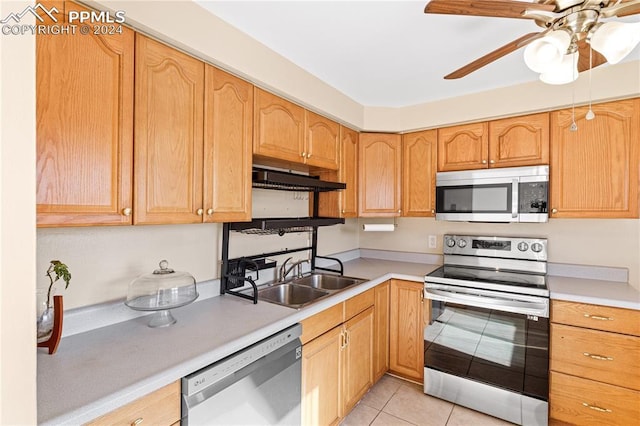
(510, 194)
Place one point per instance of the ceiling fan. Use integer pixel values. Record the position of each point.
(571, 28)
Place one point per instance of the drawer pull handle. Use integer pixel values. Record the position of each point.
(598, 409)
(137, 421)
(598, 317)
(598, 357)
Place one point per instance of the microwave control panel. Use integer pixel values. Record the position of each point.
(534, 197)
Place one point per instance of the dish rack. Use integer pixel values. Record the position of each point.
(233, 274)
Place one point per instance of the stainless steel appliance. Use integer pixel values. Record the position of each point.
(487, 341)
(512, 194)
(260, 385)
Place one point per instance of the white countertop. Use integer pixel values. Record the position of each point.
(598, 292)
(100, 370)
(95, 372)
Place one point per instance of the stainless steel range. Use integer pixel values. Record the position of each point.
(487, 341)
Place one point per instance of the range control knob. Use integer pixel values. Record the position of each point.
(462, 243)
(537, 247)
(522, 246)
(451, 242)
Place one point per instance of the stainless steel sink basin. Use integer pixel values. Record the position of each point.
(290, 295)
(327, 281)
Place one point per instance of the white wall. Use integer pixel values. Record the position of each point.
(597, 242)
(17, 226)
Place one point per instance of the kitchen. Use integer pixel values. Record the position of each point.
(194, 246)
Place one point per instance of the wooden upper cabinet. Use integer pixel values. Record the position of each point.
(519, 141)
(228, 128)
(322, 145)
(348, 172)
(84, 128)
(510, 142)
(279, 128)
(419, 164)
(594, 170)
(463, 147)
(379, 171)
(169, 135)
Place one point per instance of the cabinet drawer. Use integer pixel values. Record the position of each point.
(359, 303)
(321, 322)
(580, 401)
(606, 318)
(598, 355)
(161, 407)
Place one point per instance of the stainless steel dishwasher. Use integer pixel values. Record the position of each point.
(259, 385)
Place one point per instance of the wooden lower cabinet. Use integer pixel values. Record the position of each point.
(161, 407)
(321, 373)
(338, 362)
(406, 330)
(381, 328)
(595, 375)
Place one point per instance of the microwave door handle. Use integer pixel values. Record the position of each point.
(515, 199)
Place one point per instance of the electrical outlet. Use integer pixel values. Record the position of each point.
(433, 242)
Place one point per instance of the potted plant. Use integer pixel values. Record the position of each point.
(46, 314)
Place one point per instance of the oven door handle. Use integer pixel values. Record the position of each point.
(540, 309)
(515, 198)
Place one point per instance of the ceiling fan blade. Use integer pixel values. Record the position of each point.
(625, 8)
(583, 56)
(495, 55)
(494, 8)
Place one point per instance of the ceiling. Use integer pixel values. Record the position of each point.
(385, 53)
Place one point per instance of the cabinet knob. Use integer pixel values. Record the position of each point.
(342, 211)
(309, 155)
(199, 212)
(209, 212)
(127, 211)
(492, 161)
(433, 211)
(137, 421)
(484, 161)
(554, 210)
(399, 211)
(303, 155)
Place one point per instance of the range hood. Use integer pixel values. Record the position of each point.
(284, 181)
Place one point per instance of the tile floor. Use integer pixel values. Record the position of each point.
(393, 401)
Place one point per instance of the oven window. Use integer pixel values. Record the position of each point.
(474, 198)
(498, 348)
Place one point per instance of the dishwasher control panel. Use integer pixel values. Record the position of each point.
(212, 374)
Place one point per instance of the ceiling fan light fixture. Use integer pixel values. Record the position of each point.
(563, 73)
(548, 52)
(615, 40)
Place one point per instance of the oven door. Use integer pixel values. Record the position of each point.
(488, 351)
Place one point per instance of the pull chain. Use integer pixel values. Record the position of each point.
(590, 115)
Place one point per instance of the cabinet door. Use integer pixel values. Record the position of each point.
(321, 384)
(381, 330)
(161, 407)
(84, 128)
(169, 134)
(358, 358)
(594, 170)
(278, 128)
(323, 141)
(380, 157)
(519, 141)
(419, 173)
(463, 147)
(343, 203)
(228, 127)
(406, 349)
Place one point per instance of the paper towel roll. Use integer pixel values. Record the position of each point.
(378, 227)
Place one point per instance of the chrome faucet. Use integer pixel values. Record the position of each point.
(284, 271)
(281, 272)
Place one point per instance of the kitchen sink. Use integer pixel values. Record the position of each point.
(328, 282)
(291, 295)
